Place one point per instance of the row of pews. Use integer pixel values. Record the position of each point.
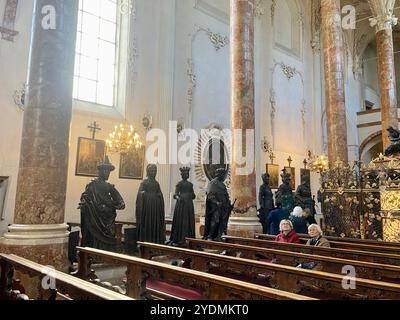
(208, 270)
(236, 269)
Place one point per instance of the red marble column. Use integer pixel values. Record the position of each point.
(387, 82)
(244, 221)
(39, 232)
(334, 80)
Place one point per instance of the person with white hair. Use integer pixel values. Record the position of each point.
(287, 234)
(317, 239)
(299, 220)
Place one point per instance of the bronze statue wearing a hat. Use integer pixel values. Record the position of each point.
(98, 207)
(218, 208)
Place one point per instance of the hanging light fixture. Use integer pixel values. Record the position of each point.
(320, 164)
(123, 139)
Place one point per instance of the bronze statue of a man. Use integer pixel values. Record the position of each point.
(394, 147)
(266, 201)
(303, 197)
(218, 207)
(284, 195)
(98, 207)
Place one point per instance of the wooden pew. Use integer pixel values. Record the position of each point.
(376, 257)
(195, 284)
(67, 287)
(354, 240)
(344, 245)
(366, 270)
(311, 283)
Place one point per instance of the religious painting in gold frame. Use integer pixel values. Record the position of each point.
(292, 172)
(273, 171)
(131, 165)
(90, 154)
(305, 173)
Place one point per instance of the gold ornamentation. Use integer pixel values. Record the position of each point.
(123, 138)
(391, 230)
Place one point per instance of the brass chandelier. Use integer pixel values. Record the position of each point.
(123, 139)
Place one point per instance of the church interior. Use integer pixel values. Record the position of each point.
(199, 150)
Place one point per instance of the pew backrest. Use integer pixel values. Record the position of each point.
(376, 257)
(66, 286)
(212, 287)
(344, 244)
(279, 276)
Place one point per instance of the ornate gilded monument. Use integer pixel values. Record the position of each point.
(363, 201)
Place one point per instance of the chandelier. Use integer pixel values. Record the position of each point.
(123, 139)
(319, 164)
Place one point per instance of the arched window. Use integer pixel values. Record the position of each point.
(96, 46)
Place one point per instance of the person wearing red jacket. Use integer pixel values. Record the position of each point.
(287, 234)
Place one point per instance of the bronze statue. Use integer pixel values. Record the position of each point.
(218, 208)
(284, 195)
(394, 137)
(150, 213)
(266, 201)
(303, 197)
(183, 223)
(98, 208)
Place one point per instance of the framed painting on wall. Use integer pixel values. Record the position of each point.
(90, 154)
(273, 171)
(305, 173)
(131, 165)
(292, 172)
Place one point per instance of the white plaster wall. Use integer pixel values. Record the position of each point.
(13, 73)
(370, 76)
(163, 33)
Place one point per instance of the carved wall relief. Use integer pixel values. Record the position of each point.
(290, 73)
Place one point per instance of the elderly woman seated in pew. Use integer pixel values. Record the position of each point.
(317, 240)
(288, 234)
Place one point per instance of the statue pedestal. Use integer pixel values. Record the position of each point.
(244, 226)
(44, 244)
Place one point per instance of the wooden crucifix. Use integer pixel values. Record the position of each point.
(7, 27)
(93, 128)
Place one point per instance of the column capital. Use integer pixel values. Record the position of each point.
(383, 17)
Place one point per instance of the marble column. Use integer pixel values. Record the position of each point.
(383, 21)
(334, 80)
(244, 221)
(39, 232)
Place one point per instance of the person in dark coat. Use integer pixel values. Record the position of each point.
(150, 213)
(274, 219)
(183, 223)
(299, 220)
(266, 200)
(98, 206)
(287, 235)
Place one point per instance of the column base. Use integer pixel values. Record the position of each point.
(44, 244)
(245, 226)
